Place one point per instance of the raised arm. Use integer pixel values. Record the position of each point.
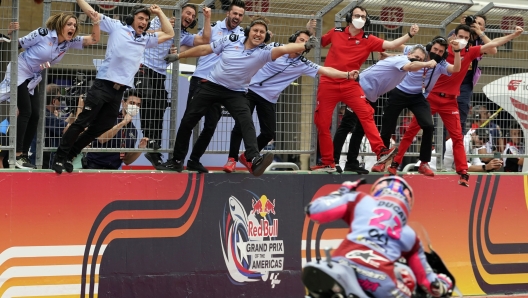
(292, 48)
(87, 9)
(389, 45)
(206, 34)
(455, 67)
(198, 51)
(337, 74)
(96, 30)
(499, 41)
(109, 134)
(167, 31)
(417, 65)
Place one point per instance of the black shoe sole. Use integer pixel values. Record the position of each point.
(267, 159)
(57, 169)
(160, 168)
(359, 171)
(199, 170)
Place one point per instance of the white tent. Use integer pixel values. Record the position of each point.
(511, 93)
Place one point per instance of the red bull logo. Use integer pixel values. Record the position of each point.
(262, 206)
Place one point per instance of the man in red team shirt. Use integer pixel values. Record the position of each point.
(443, 98)
(351, 46)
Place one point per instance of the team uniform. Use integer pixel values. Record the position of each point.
(443, 101)
(346, 53)
(40, 47)
(378, 236)
(150, 80)
(411, 93)
(375, 81)
(123, 56)
(126, 137)
(466, 88)
(264, 91)
(227, 84)
(204, 67)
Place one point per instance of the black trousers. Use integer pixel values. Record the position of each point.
(349, 123)
(101, 108)
(212, 116)
(27, 119)
(399, 100)
(267, 121)
(154, 102)
(207, 95)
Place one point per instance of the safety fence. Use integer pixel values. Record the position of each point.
(503, 74)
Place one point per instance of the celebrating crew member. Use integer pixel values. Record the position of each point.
(240, 59)
(443, 98)
(116, 73)
(350, 48)
(150, 78)
(43, 48)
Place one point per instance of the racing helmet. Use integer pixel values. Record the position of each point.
(394, 186)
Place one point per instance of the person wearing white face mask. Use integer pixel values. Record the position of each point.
(350, 48)
(443, 97)
(477, 24)
(122, 135)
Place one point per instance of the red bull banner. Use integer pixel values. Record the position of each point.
(144, 234)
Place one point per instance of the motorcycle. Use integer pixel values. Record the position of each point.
(336, 277)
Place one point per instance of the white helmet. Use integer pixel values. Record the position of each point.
(394, 186)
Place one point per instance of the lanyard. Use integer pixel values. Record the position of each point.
(424, 87)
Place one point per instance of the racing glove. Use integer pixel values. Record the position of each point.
(171, 58)
(311, 43)
(441, 286)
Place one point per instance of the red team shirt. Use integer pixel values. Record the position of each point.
(451, 84)
(347, 52)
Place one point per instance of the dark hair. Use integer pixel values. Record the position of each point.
(238, 3)
(131, 92)
(140, 8)
(482, 17)
(304, 32)
(440, 40)
(462, 27)
(193, 6)
(52, 91)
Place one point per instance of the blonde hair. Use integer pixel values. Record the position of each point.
(58, 22)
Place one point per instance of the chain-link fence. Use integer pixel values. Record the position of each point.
(296, 134)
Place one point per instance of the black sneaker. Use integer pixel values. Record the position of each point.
(68, 165)
(196, 166)
(171, 165)
(260, 163)
(22, 162)
(155, 158)
(58, 164)
(338, 169)
(355, 168)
